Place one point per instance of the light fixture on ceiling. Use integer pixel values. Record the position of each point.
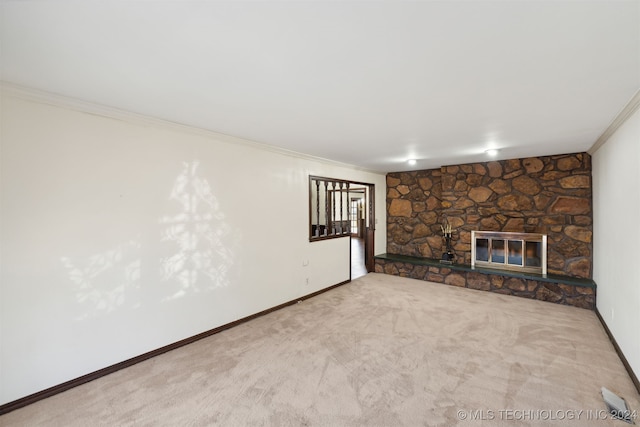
(492, 152)
(411, 162)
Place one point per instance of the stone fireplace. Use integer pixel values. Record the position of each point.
(515, 199)
(549, 195)
(524, 252)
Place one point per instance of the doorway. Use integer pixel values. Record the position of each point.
(357, 222)
(358, 267)
(362, 225)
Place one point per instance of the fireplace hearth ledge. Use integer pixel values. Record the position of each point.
(560, 289)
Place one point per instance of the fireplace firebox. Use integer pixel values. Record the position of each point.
(526, 252)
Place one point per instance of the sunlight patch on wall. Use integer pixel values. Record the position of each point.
(203, 241)
(94, 277)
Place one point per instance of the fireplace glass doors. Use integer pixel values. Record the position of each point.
(526, 252)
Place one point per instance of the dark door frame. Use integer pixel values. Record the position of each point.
(370, 228)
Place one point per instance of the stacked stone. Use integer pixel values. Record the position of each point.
(560, 293)
(550, 195)
(414, 205)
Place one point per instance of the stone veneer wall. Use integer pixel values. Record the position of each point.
(550, 194)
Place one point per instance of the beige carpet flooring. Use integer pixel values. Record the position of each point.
(379, 351)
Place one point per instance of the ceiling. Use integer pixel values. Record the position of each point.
(366, 83)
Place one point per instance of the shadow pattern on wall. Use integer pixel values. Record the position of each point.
(550, 195)
(105, 281)
(199, 243)
(203, 242)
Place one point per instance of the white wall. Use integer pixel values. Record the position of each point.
(120, 235)
(616, 214)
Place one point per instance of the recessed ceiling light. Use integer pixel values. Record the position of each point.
(411, 162)
(492, 152)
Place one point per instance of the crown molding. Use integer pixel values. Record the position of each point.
(631, 107)
(56, 100)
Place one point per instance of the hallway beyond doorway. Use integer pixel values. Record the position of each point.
(358, 268)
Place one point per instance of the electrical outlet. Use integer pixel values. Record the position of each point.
(612, 313)
(307, 281)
